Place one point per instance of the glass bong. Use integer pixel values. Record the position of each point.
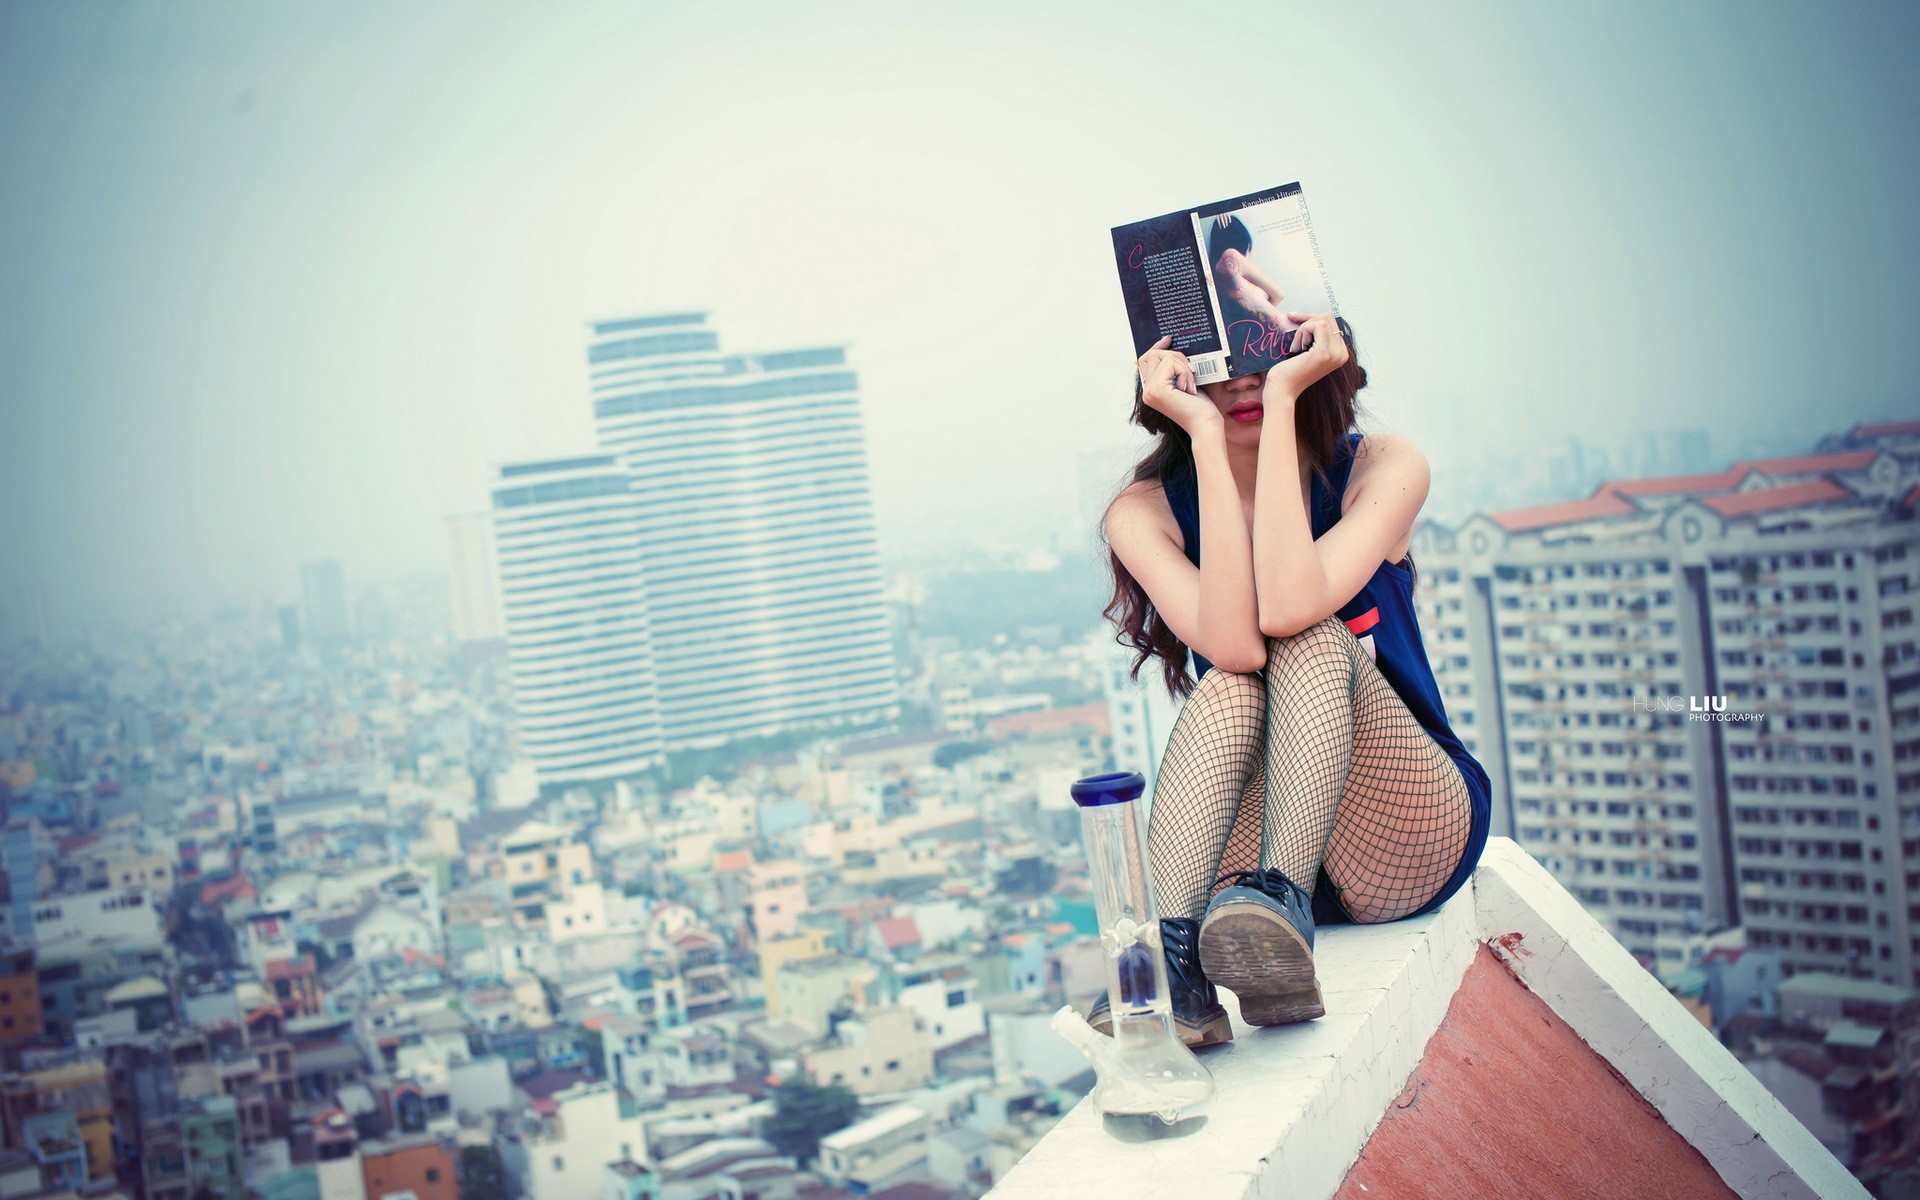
(1144, 1068)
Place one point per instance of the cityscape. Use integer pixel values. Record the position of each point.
(666, 824)
(554, 592)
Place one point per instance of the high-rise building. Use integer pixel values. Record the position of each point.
(572, 591)
(1140, 712)
(323, 601)
(475, 579)
(755, 527)
(1698, 698)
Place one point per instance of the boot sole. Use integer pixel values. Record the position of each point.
(1264, 961)
(1217, 1028)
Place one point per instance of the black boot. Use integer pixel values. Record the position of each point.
(1197, 1014)
(1257, 938)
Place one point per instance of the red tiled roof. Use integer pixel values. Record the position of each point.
(542, 1084)
(234, 887)
(1603, 503)
(1811, 1063)
(1793, 495)
(1885, 429)
(290, 968)
(1667, 485)
(1094, 715)
(732, 860)
(1808, 464)
(898, 932)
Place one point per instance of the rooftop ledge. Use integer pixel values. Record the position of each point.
(1505, 1045)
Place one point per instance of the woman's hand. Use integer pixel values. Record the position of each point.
(1325, 351)
(1166, 378)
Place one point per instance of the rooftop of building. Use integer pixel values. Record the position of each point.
(886, 1121)
(1750, 487)
(1871, 991)
(1507, 1043)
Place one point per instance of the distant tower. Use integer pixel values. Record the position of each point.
(756, 528)
(323, 601)
(23, 875)
(582, 660)
(1140, 712)
(479, 625)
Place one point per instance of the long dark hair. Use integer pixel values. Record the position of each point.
(1323, 416)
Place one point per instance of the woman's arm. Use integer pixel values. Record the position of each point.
(1300, 581)
(1210, 608)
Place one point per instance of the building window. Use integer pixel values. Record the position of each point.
(433, 1174)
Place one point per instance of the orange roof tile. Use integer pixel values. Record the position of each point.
(1603, 503)
(732, 860)
(898, 932)
(1793, 495)
(1667, 485)
(1808, 464)
(1094, 715)
(1885, 429)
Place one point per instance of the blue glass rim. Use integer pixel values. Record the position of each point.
(1115, 787)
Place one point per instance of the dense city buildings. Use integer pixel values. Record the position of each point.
(377, 917)
(1698, 697)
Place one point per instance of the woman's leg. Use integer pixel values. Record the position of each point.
(1212, 755)
(1354, 782)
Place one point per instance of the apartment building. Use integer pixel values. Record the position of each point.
(1698, 698)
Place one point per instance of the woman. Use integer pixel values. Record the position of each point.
(1313, 761)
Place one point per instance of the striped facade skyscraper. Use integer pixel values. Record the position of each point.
(1698, 697)
(566, 533)
(755, 529)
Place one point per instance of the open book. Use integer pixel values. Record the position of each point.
(1221, 280)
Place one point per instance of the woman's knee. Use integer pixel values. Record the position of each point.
(1217, 683)
(1327, 638)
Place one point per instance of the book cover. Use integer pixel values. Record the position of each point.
(1221, 278)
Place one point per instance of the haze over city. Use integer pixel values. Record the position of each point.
(280, 283)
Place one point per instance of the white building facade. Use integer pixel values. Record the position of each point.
(574, 597)
(755, 528)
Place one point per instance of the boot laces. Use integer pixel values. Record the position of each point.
(1273, 882)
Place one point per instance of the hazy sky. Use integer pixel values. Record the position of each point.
(280, 281)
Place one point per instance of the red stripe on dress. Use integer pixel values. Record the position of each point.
(1365, 621)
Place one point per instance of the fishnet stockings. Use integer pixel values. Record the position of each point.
(1316, 763)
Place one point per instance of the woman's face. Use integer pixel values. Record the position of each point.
(1239, 402)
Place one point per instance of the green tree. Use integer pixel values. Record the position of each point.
(481, 1176)
(954, 753)
(804, 1113)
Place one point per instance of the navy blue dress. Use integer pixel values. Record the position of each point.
(1382, 617)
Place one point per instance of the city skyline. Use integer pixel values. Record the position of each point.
(386, 280)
